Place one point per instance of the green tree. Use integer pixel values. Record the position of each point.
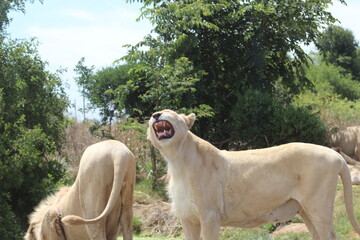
(159, 82)
(32, 121)
(10, 5)
(84, 80)
(338, 46)
(101, 89)
(232, 47)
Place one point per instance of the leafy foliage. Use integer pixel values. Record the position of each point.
(9, 228)
(32, 106)
(339, 47)
(259, 120)
(26, 85)
(161, 82)
(335, 96)
(231, 48)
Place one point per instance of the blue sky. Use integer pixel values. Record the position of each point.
(70, 29)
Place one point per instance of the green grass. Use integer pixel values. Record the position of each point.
(294, 236)
(144, 192)
(156, 238)
(343, 228)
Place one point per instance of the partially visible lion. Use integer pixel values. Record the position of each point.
(348, 140)
(97, 206)
(210, 188)
(354, 166)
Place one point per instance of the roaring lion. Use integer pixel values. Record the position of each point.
(97, 206)
(210, 188)
(348, 140)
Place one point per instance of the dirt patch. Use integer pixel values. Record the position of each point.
(292, 227)
(156, 217)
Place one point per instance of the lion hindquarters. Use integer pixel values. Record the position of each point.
(105, 186)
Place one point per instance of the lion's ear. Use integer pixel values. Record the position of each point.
(190, 119)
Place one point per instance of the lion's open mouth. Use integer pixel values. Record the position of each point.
(163, 129)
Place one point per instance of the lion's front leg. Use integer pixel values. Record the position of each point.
(191, 229)
(210, 226)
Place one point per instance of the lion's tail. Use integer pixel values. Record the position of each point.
(348, 197)
(120, 170)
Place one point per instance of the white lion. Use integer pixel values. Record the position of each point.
(101, 197)
(210, 188)
(348, 140)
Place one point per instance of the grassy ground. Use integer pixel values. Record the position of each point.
(343, 227)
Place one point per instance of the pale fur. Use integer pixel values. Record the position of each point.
(355, 174)
(100, 199)
(353, 165)
(41, 227)
(348, 140)
(210, 188)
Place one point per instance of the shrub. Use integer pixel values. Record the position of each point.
(334, 95)
(32, 121)
(259, 120)
(9, 227)
(28, 171)
(136, 225)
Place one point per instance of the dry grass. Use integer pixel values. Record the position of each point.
(157, 219)
(79, 137)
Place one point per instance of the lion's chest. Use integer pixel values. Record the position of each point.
(183, 203)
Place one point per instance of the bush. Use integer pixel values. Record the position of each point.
(136, 225)
(334, 95)
(329, 79)
(9, 227)
(28, 171)
(32, 121)
(259, 120)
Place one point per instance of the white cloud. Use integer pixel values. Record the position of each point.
(79, 14)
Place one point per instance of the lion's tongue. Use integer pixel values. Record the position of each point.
(163, 133)
(163, 129)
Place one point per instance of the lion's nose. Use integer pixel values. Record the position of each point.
(156, 115)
